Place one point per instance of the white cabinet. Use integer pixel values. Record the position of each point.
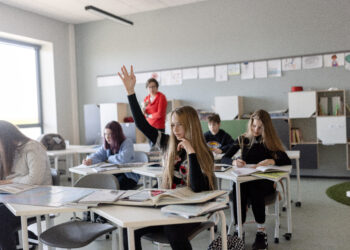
(302, 104)
(331, 130)
(112, 112)
(229, 107)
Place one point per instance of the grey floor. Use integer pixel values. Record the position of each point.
(320, 223)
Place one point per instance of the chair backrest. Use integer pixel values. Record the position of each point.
(55, 177)
(106, 181)
(52, 141)
(140, 156)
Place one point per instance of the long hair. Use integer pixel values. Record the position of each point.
(117, 137)
(269, 135)
(11, 139)
(193, 133)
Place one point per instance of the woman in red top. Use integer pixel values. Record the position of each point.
(154, 105)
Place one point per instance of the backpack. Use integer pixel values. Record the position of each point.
(233, 243)
(52, 141)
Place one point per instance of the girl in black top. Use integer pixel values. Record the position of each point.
(260, 145)
(187, 159)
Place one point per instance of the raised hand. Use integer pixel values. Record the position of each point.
(185, 144)
(129, 79)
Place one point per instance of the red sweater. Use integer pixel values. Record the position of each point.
(157, 109)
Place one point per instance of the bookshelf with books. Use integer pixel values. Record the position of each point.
(319, 128)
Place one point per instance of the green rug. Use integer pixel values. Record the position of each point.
(338, 193)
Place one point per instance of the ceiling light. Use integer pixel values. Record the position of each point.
(108, 15)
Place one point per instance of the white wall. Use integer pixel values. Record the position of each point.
(56, 74)
(214, 32)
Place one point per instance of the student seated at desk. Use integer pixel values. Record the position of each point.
(116, 149)
(188, 160)
(260, 145)
(24, 161)
(217, 139)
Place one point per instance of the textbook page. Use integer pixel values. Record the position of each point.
(15, 188)
(189, 211)
(102, 196)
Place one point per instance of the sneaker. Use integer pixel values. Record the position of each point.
(235, 233)
(260, 242)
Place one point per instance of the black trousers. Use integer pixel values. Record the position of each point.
(255, 192)
(9, 224)
(176, 234)
(125, 183)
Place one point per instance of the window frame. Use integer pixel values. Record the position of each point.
(36, 48)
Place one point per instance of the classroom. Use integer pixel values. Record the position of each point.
(79, 55)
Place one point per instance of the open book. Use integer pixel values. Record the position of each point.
(193, 210)
(221, 167)
(15, 188)
(250, 169)
(161, 197)
(105, 166)
(97, 197)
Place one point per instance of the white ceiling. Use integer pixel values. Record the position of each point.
(73, 11)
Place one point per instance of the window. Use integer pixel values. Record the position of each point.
(20, 92)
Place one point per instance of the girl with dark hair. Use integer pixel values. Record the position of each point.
(187, 160)
(116, 149)
(260, 145)
(24, 161)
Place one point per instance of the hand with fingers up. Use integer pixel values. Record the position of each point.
(129, 79)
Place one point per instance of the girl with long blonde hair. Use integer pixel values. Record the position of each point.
(187, 159)
(261, 146)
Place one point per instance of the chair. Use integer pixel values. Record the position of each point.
(140, 156)
(269, 200)
(76, 234)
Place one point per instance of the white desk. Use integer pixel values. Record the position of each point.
(228, 175)
(26, 211)
(87, 171)
(69, 152)
(137, 217)
(150, 172)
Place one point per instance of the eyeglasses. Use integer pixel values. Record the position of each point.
(152, 87)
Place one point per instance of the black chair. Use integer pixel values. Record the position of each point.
(76, 234)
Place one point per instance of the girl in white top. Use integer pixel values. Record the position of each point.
(22, 160)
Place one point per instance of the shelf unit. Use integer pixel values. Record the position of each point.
(318, 127)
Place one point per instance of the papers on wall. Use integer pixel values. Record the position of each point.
(247, 70)
(141, 78)
(293, 63)
(221, 73)
(274, 68)
(347, 61)
(190, 73)
(312, 62)
(260, 69)
(171, 77)
(206, 72)
(110, 80)
(233, 69)
(333, 60)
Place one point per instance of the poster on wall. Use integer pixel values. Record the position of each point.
(274, 68)
(221, 73)
(260, 69)
(233, 69)
(141, 78)
(108, 80)
(333, 60)
(171, 77)
(293, 63)
(247, 70)
(347, 61)
(312, 62)
(206, 72)
(190, 73)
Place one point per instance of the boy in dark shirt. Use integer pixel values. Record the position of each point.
(217, 139)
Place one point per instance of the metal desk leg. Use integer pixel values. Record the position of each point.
(223, 230)
(288, 235)
(24, 225)
(49, 223)
(298, 203)
(72, 178)
(121, 240)
(159, 182)
(239, 211)
(38, 227)
(56, 164)
(114, 240)
(131, 238)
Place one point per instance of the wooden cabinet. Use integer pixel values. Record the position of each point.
(319, 128)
